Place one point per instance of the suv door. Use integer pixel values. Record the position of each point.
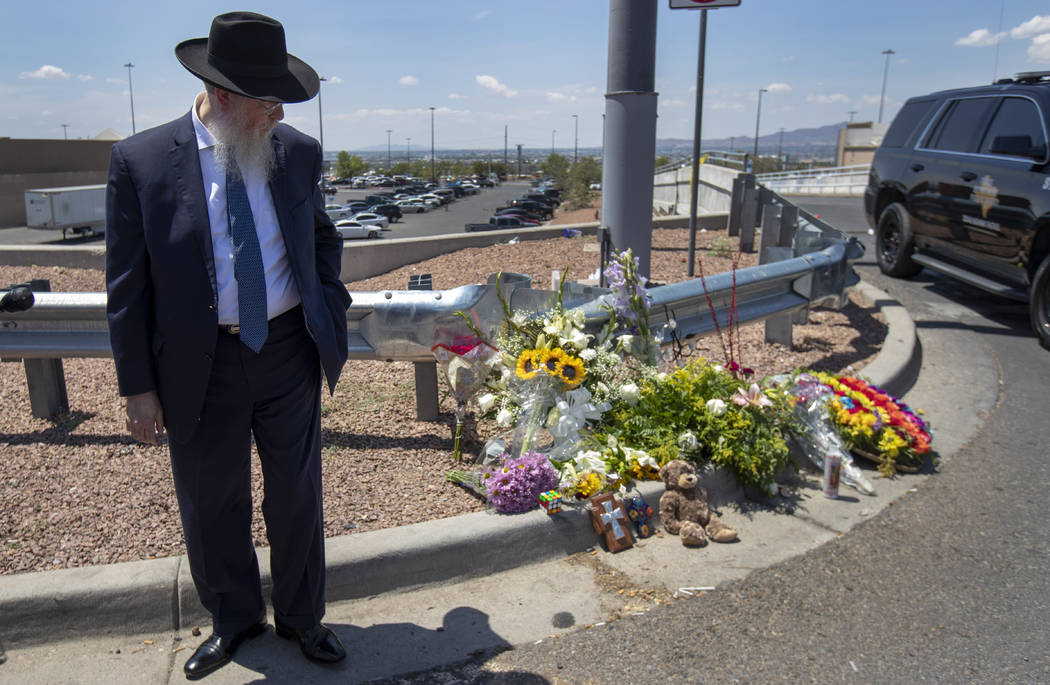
(940, 182)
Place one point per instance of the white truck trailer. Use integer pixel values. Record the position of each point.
(78, 209)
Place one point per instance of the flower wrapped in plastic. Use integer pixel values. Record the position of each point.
(821, 438)
(465, 363)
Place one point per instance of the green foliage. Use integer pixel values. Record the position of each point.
(556, 165)
(581, 175)
(720, 247)
(747, 440)
(347, 165)
(662, 160)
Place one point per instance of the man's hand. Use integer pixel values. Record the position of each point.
(145, 417)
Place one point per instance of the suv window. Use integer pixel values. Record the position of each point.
(1016, 130)
(961, 124)
(906, 121)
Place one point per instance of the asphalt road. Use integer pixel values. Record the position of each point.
(948, 585)
(468, 209)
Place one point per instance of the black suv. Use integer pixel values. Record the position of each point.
(961, 185)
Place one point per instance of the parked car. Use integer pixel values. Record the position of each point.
(432, 200)
(413, 205)
(339, 213)
(352, 230)
(544, 211)
(960, 185)
(519, 211)
(371, 219)
(388, 209)
(498, 222)
(523, 217)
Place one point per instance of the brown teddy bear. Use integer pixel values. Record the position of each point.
(684, 510)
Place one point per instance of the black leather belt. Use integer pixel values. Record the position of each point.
(235, 328)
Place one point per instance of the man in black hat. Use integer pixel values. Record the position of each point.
(225, 308)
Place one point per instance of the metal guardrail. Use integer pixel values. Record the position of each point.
(844, 180)
(807, 265)
(734, 160)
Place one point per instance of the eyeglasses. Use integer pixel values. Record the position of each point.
(269, 107)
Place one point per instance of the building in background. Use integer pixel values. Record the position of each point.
(857, 142)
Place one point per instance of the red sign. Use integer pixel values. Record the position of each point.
(702, 4)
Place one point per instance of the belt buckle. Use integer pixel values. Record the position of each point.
(231, 328)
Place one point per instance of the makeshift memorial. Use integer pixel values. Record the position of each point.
(684, 510)
(640, 513)
(610, 521)
(875, 425)
(465, 363)
(515, 484)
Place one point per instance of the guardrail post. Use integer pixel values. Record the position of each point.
(426, 372)
(736, 203)
(775, 246)
(45, 378)
(749, 215)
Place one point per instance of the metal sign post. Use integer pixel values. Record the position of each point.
(694, 180)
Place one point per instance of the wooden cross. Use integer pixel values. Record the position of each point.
(610, 521)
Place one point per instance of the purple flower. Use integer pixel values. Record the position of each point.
(515, 485)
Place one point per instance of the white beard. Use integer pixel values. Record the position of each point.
(239, 147)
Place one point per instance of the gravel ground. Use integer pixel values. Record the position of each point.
(77, 491)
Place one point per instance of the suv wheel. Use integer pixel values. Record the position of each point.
(893, 243)
(1039, 303)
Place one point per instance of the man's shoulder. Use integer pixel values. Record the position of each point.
(163, 135)
(294, 137)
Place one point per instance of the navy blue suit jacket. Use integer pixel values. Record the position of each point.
(160, 269)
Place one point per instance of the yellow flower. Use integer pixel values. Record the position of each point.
(529, 363)
(551, 360)
(589, 484)
(571, 371)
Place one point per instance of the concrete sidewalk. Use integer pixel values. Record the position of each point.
(433, 593)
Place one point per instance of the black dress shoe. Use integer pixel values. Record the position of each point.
(318, 643)
(218, 649)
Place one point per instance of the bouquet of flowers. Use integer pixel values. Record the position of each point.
(876, 425)
(514, 484)
(466, 363)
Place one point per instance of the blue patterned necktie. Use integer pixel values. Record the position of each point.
(247, 266)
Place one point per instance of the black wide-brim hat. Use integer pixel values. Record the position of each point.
(245, 53)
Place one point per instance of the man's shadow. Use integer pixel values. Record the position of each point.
(382, 651)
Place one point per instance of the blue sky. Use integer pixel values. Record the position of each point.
(529, 66)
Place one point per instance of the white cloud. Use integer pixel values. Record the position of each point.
(408, 81)
(872, 100)
(821, 99)
(456, 96)
(115, 81)
(591, 90)
(482, 14)
(492, 85)
(45, 72)
(560, 97)
(734, 106)
(1033, 27)
(85, 77)
(1039, 50)
(335, 79)
(979, 38)
(47, 113)
(778, 88)
(672, 102)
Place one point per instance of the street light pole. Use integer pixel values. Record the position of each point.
(65, 135)
(131, 95)
(885, 73)
(320, 122)
(388, 132)
(851, 113)
(758, 116)
(433, 176)
(408, 150)
(576, 138)
(552, 140)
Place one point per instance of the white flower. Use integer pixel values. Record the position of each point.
(641, 457)
(589, 461)
(717, 368)
(588, 354)
(626, 341)
(629, 393)
(602, 388)
(716, 406)
(662, 376)
(504, 418)
(573, 336)
(486, 402)
(687, 441)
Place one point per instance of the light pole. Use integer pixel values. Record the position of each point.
(780, 149)
(320, 124)
(552, 140)
(433, 176)
(885, 73)
(851, 113)
(408, 150)
(758, 116)
(131, 95)
(576, 138)
(65, 135)
(388, 132)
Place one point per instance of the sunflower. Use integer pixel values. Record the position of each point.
(551, 360)
(571, 371)
(529, 363)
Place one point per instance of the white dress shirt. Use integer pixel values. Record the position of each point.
(281, 292)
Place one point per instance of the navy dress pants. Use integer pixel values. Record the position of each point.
(276, 396)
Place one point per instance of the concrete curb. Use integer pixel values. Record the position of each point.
(158, 595)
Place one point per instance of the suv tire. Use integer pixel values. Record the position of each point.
(1039, 303)
(893, 244)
